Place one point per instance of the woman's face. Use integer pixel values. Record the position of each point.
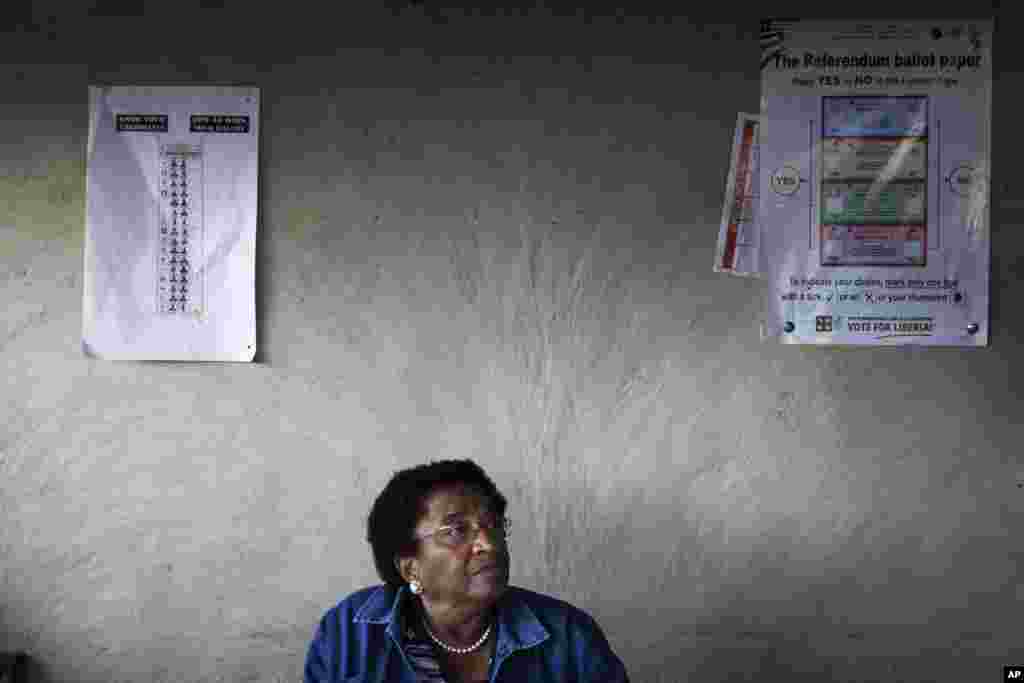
(476, 571)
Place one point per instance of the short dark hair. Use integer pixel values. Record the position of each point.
(398, 508)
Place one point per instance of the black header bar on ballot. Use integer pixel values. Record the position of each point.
(218, 123)
(144, 122)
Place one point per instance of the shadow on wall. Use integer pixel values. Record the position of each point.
(18, 667)
(745, 643)
(805, 639)
(762, 615)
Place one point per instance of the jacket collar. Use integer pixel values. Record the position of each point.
(518, 626)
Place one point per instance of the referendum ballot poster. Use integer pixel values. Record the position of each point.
(873, 183)
(171, 223)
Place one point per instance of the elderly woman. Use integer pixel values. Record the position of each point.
(446, 611)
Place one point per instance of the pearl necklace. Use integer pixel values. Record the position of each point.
(457, 650)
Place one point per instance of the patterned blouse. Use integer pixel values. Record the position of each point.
(422, 654)
(423, 658)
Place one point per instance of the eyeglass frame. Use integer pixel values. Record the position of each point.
(501, 522)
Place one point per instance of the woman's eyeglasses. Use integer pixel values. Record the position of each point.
(460, 533)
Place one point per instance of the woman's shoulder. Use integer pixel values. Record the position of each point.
(570, 628)
(364, 595)
(533, 598)
(547, 605)
(369, 600)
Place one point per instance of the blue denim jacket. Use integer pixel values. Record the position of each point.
(540, 640)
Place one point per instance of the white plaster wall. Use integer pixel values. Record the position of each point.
(505, 257)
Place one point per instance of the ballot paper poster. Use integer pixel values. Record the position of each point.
(738, 245)
(171, 208)
(873, 184)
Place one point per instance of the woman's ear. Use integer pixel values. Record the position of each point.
(405, 566)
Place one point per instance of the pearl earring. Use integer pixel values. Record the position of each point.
(415, 587)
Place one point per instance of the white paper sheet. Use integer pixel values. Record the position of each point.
(874, 191)
(171, 210)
